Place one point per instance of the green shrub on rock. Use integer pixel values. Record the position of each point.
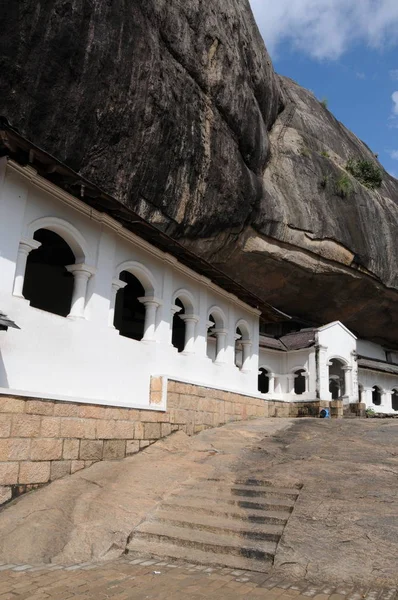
(366, 172)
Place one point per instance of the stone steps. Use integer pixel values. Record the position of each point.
(220, 523)
(196, 505)
(171, 552)
(205, 540)
(286, 505)
(249, 491)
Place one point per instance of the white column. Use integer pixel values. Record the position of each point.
(221, 337)
(246, 355)
(323, 373)
(151, 306)
(81, 274)
(290, 380)
(271, 385)
(25, 247)
(190, 324)
(367, 396)
(387, 401)
(117, 285)
(347, 382)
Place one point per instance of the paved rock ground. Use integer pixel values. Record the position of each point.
(143, 579)
(341, 539)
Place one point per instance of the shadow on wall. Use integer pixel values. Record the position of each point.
(3, 372)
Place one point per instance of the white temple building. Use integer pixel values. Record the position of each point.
(101, 310)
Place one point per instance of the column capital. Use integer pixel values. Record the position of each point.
(175, 309)
(189, 318)
(118, 284)
(220, 332)
(29, 245)
(150, 301)
(246, 342)
(81, 269)
(347, 368)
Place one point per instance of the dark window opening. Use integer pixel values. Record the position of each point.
(360, 392)
(336, 379)
(334, 389)
(394, 399)
(129, 311)
(263, 381)
(299, 382)
(178, 337)
(47, 283)
(211, 339)
(238, 349)
(376, 395)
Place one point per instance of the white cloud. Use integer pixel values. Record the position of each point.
(394, 154)
(326, 29)
(394, 74)
(395, 103)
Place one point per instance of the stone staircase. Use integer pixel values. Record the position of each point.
(218, 523)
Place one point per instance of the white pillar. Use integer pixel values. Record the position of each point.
(117, 285)
(25, 247)
(387, 401)
(81, 274)
(246, 355)
(347, 382)
(190, 324)
(271, 384)
(290, 380)
(221, 337)
(151, 306)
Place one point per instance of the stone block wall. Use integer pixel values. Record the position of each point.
(43, 440)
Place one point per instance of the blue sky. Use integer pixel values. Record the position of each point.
(345, 51)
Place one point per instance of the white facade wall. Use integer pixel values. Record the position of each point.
(282, 366)
(386, 382)
(336, 342)
(371, 350)
(86, 359)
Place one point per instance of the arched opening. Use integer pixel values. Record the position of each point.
(394, 399)
(238, 348)
(300, 382)
(129, 316)
(211, 347)
(216, 335)
(178, 336)
(242, 346)
(360, 393)
(263, 381)
(336, 378)
(376, 395)
(47, 283)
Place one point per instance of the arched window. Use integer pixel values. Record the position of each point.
(394, 399)
(211, 348)
(300, 382)
(178, 336)
(47, 283)
(183, 322)
(216, 335)
(129, 311)
(376, 395)
(336, 378)
(242, 346)
(263, 381)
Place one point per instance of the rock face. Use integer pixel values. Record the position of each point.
(173, 107)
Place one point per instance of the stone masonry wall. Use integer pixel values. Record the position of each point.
(43, 440)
